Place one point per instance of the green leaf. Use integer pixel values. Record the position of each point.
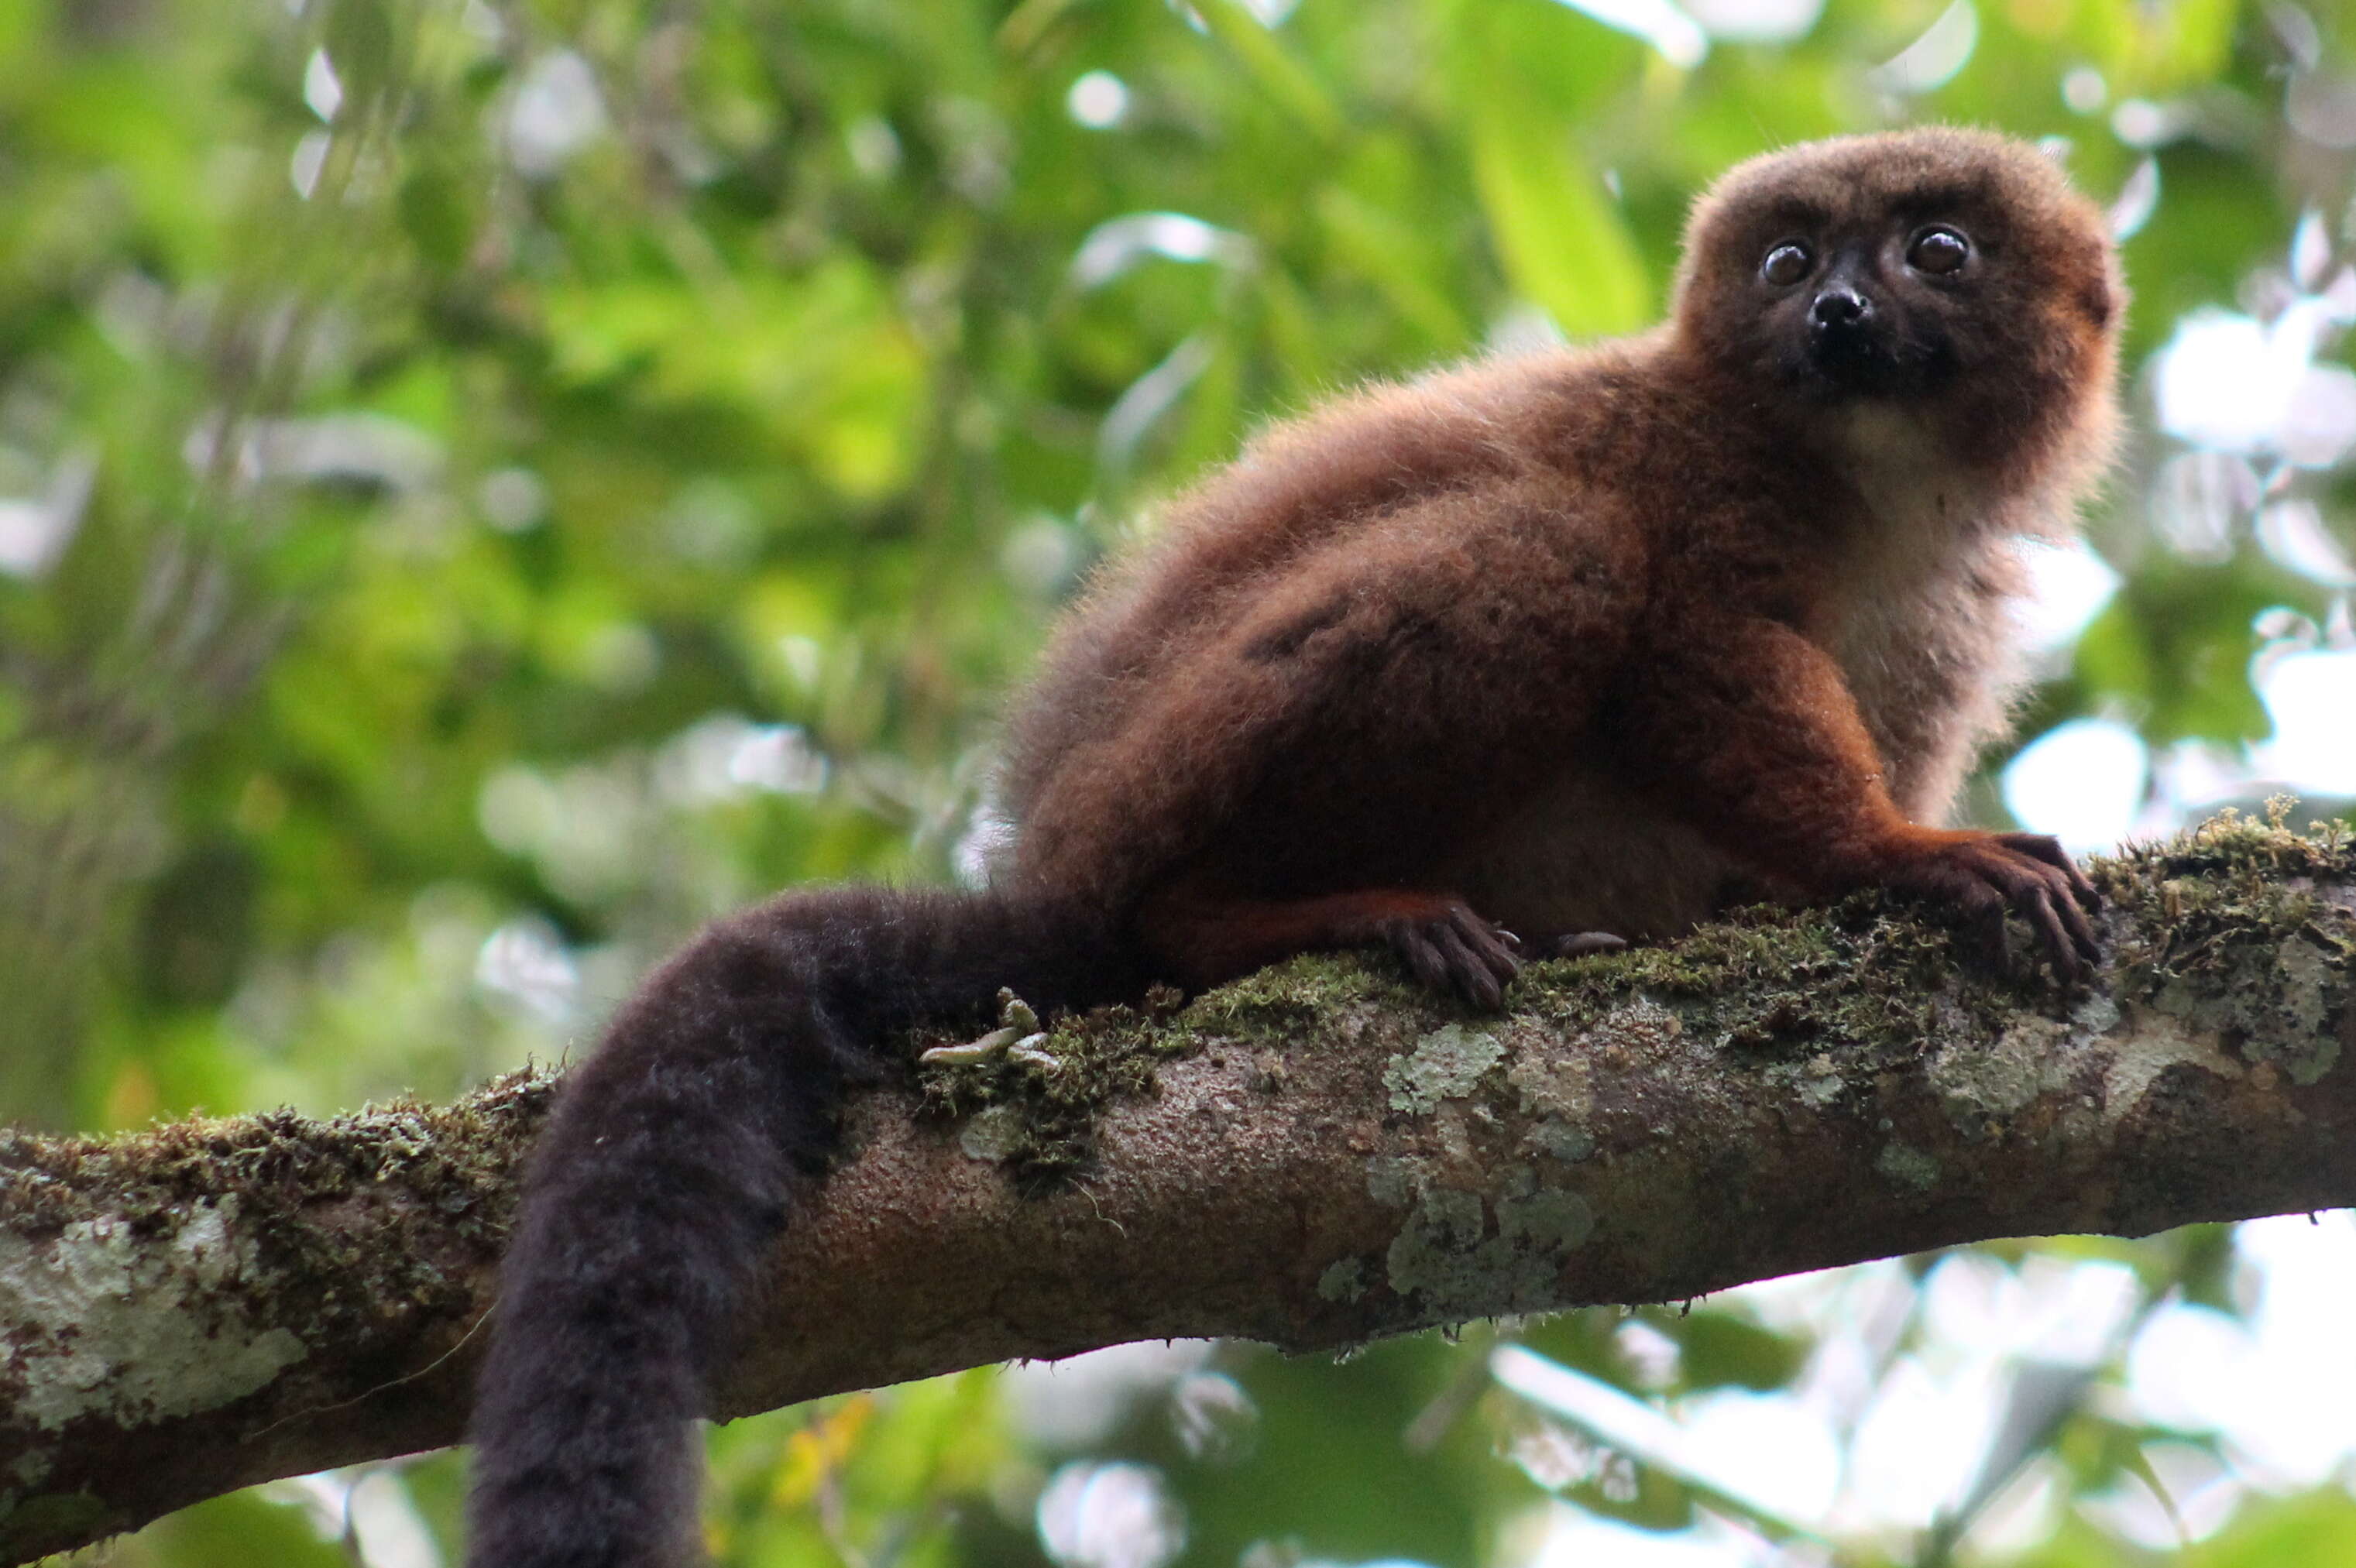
(359, 46)
(236, 1532)
(1563, 239)
(434, 215)
(1718, 1349)
(1284, 78)
(1390, 252)
(2317, 1526)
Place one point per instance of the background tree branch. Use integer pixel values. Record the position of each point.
(1314, 1157)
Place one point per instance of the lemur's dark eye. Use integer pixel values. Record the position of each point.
(1786, 264)
(1937, 251)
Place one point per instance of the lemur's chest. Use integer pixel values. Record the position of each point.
(1921, 576)
(1920, 621)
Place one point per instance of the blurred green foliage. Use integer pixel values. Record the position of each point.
(485, 485)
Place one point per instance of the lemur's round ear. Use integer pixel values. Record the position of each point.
(2100, 301)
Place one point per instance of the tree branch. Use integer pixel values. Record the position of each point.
(1314, 1157)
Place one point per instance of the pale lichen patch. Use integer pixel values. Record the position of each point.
(1979, 1083)
(1393, 1181)
(1558, 1137)
(1344, 1280)
(993, 1133)
(2311, 983)
(1556, 1088)
(1908, 1166)
(1643, 1027)
(2153, 1044)
(2242, 931)
(1448, 1259)
(109, 1323)
(2273, 1003)
(1447, 1063)
(1818, 1082)
(1557, 1084)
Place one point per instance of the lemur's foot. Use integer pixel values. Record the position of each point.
(1456, 950)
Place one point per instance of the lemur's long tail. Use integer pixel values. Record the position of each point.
(666, 1171)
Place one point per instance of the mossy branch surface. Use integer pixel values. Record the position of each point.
(1316, 1157)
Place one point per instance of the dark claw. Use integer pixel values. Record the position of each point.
(1457, 950)
(1471, 979)
(1495, 946)
(1410, 941)
(2048, 848)
(2028, 874)
(2061, 946)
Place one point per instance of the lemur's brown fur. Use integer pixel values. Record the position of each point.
(1579, 643)
(1582, 638)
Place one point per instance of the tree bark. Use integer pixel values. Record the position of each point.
(1316, 1157)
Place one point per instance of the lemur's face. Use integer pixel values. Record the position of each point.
(1872, 307)
(1948, 271)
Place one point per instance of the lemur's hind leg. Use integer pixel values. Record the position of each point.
(1205, 938)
